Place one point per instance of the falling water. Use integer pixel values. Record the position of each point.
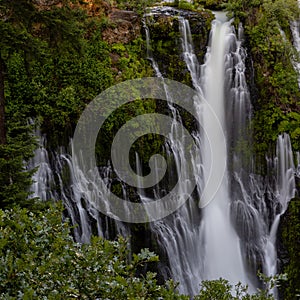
(43, 178)
(199, 242)
(63, 180)
(203, 244)
(285, 189)
(295, 29)
(178, 234)
(223, 256)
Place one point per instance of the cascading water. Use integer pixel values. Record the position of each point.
(295, 29)
(63, 180)
(43, 178)
(240, 223)
(203, 236)
(178, 234)
(223, 256)
(285, 189)
(205, 247)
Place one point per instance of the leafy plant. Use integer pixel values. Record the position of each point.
(40, 260)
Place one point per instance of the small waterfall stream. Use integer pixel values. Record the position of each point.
(225, 229)
(295, 29)
(43, 178)
(284, 191)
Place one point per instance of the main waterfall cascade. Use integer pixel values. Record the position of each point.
(222, 250)
(235, 234)
(209, 247)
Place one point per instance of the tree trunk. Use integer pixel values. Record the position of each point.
(2, 103)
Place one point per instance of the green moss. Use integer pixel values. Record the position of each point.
(211, 4)
(166, 43)
(290, 236)
(276, 108)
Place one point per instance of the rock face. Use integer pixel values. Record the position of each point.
(47, 2)
(165, 40)
(124, 29)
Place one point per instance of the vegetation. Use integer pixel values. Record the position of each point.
(137, 6)
(290, 239)
(40, 260)
(54, 60)
(212, 4)
(267, 28)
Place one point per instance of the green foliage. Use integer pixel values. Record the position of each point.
(56, 62)
(187, 5)
(137, 6)
(130, 63)
(14, 178)
(239, 8)
(267, 27)
(290, 235)
(39, 260)
(222, 289)
(213, 4)
(281, 11)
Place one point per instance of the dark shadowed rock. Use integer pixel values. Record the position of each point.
(125, 27)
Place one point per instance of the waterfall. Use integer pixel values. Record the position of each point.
(298, 162)
(295, 29)
(214, 248)
(43, 178)
(206, 236)
(224, 70)
(178, 234)
(226, 229)
(285, 189)
(62, 179)
(223, 256)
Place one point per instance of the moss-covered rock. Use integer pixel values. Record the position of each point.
(163, 24)
(275, 90)
(289, 250)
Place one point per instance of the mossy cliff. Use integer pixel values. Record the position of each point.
(289, 250)
(275, 92)
(166, 46)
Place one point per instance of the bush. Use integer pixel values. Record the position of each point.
(39, 260)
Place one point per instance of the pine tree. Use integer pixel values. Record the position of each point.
(16, 143)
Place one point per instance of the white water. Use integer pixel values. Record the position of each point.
(284, 192)
(43, 179)
(178, 234)
(206, 247)
(223, 256)
(295, 29)
(71, 187)
(212, 246)
(199, 243)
